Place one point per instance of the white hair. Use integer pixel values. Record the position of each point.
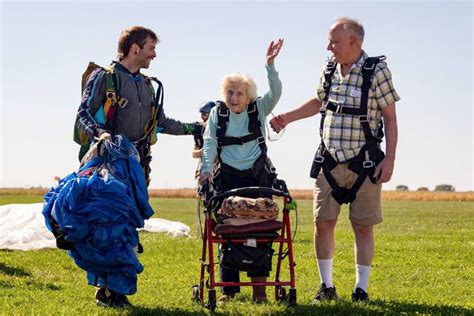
(353, 25)
(240, 78)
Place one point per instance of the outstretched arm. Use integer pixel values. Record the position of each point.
(307, 109)
(175, 127)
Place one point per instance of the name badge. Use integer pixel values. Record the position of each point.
(355, 93)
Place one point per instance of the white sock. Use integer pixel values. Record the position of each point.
(325, 271)
(362, 276)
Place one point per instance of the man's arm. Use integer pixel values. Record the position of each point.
(175, 127)
(383, 172)
(307, 109)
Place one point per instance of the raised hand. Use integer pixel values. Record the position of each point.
(273, 50)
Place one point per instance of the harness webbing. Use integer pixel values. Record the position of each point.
(255, 132)
(114, 100)
(363, 164)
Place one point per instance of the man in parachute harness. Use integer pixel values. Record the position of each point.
(118, 99)
(355, 92)
(235, 135)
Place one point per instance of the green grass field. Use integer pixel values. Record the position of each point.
(423, 264)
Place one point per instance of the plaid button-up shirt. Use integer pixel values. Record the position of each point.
(343, 135)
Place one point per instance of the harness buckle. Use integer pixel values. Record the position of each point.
(369, 66)
(260, 140)
(223, 112)
(325, 84)
(122, 102)
(339, 109)
(363, 118)
(330, 65)
(251, 108)
(319, 159)
(367, 164)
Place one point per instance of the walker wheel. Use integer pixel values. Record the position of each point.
(292, 298)
(280, 293)
(211, 304)
(196, 297)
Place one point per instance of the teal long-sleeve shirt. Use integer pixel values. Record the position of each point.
(243, 156)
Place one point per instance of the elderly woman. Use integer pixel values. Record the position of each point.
(235, 135)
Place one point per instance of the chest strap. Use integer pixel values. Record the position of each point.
(367, 73)
(254, 127)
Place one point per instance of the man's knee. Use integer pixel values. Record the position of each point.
(324, 228)
(363, 231)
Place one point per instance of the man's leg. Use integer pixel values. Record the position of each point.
(326, 211)
(364, 253)
(325, 245)
(365, 212)
(364, 243)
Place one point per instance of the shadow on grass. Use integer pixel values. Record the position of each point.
(138, 310)
(374, 307)
(6, 284)
(9, 270)
(43, 286)
(19, 272)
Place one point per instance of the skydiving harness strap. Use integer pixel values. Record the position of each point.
(370, 154)
(263, 165)
(114, 100)
(255, 132)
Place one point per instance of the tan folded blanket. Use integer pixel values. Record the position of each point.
(242, 207)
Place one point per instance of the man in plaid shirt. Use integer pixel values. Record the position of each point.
(343, 137)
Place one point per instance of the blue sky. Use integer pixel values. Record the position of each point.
(45, 46)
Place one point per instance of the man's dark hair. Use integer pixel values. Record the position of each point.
(133, 35)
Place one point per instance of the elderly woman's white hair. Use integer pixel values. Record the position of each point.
(240, 78)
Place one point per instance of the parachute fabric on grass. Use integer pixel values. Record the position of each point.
(99, 209)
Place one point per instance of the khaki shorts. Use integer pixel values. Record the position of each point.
(366, 208)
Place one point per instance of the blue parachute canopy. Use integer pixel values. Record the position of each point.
(98, 210)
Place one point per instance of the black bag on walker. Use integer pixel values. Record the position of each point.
(237, 256)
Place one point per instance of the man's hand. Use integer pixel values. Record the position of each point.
(195, 128)
(198, 128)
(205, 176)
(273, 51)
(197, 153)
(105, 135)
(279, 122)
(383, 172)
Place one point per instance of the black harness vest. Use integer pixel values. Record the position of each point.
(370, 154)
(262, 165)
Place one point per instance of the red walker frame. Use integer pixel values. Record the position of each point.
(210, 238)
